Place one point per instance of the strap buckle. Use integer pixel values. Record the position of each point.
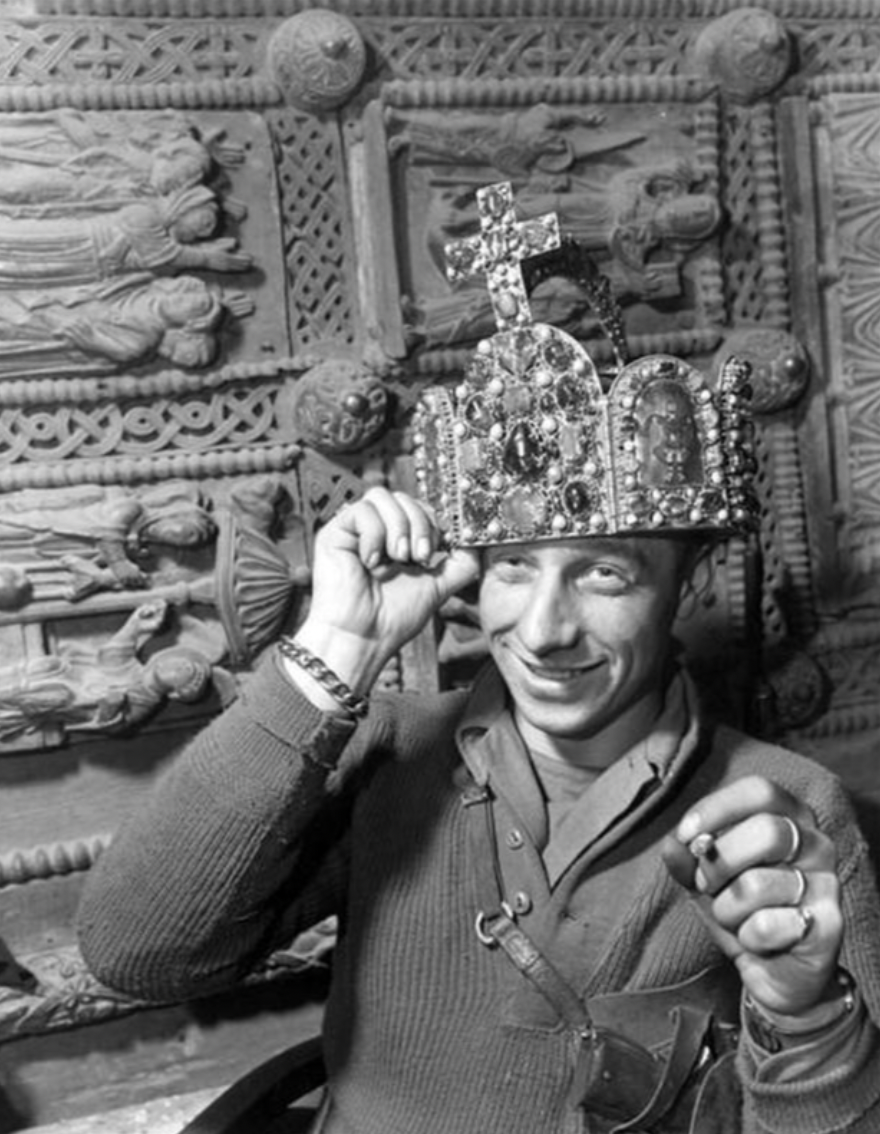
(484, 935)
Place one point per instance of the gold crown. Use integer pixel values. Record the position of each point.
(529, 447)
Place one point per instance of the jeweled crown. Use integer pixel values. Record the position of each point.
(529, 447)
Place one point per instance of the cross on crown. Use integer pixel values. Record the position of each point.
(498, 251)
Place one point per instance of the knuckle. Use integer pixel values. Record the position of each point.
(748, 887)
(764, 792)
(763, 928)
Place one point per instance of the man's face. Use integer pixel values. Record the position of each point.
(581, 633)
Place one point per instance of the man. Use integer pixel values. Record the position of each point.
(546, 884)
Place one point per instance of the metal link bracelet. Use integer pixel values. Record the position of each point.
(311, 664)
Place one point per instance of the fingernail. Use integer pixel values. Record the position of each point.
(689, 827)
(372, 560)
(703, 846)
(402, 548)
(423, 550)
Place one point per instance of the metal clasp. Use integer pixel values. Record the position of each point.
(474, 794)
(485, 936)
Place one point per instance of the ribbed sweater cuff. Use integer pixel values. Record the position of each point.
(277, 706)
(836, 1100)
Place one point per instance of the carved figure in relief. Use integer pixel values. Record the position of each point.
(68, 161)
(101, 689)
(660, 207)
(229, 567)
(631, 214)
(100, 533)
(102, 328)
(542, 138)
(158, 236)
(649, 219)
(98, 180)
(15, 587)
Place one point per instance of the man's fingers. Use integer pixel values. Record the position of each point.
(389, 527)
(735, 802)
(456, 570)
(765, 886)
(763, 839)
(815, 924)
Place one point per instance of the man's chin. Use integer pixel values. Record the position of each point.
(564, 721)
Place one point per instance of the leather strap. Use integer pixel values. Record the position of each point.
(496, 924)
(520, 948)
(691, 1031)
(264, 1092)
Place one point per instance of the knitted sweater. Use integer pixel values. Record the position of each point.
(278, 815)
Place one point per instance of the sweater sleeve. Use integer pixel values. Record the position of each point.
(193, 889)
(842, 1093)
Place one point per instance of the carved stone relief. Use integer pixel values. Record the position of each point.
(747, 51)
(632, 177)
(850, 125)
(207, 583)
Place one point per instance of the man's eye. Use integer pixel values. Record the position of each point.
(606, 576)
(509, 565)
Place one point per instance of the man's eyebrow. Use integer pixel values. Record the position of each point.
(618, 548)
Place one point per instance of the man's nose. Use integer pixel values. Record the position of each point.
(548, 621)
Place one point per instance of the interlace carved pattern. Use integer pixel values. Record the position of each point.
(104, 51)
(325, 487)
(740, 248)
(321, 307)
(838, 38)
(237, 416)
(534, 48)
(852, 47)
(614, 40)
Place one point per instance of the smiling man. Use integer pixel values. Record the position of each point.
(568, 901)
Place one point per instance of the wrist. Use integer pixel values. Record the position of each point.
(355, 660)
(775, 1030)
(320, 684)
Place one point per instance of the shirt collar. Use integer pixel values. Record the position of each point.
(493, 750)
(487, 706)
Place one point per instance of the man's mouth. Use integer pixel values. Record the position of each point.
(559, 673)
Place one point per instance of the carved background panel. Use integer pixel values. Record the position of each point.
(221, 293)
(849, 133)
(633, 178)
